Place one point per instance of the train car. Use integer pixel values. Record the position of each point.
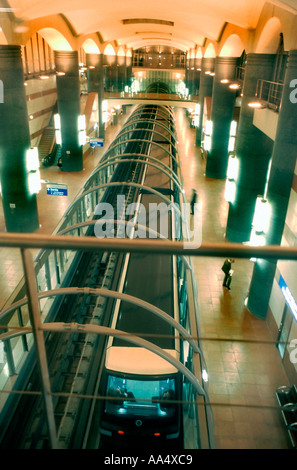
(144, 391)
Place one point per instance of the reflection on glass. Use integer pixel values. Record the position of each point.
(147, 398)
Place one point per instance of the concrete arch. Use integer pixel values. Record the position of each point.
(3, 40)
(210, 51)
(89, 45)
(199, 54)
(268, 41)
(55, 39)
(232, 47)
(54, 29)
(109, 50)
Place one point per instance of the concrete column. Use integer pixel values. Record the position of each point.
(122, 73)
(253, 150)
(96, 84)
(19, 203)
(129, 71)
(205, 89)
(222, 111)
(279, 188)
(68, 90)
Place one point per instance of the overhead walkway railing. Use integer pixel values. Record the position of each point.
(270, 93)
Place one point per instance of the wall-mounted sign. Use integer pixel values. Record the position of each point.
(288, 296)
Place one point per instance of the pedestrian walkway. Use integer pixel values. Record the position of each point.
(243, 375)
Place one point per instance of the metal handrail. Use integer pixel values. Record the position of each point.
(237, 250)
(270, 93)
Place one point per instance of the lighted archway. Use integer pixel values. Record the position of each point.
(269, 39)
(3, 40)
(210, 51)
(199, 53)
(90, 47)
(109, 50)
(55, 39)
(233, 47)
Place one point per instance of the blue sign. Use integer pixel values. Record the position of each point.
(57, 190)
(96, 142)
(288, 296)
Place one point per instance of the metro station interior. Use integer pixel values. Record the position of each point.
(148, 102)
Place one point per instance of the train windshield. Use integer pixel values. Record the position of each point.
(146, 398)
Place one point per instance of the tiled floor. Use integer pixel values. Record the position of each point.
(243, 371)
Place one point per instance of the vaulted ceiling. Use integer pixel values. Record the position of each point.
(133, 23)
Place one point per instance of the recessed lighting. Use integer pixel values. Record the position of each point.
(234, 86)
(255, 104)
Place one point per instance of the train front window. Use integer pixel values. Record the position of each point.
(146, 398)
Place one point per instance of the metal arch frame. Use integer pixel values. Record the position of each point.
(169, 117)
(124, 183)
(125, 131)
(167, 113)
(140, 140)
(160, 107)
(110, 159)
(109, 294)
(157, 123)
(109, 163)
(120, 222)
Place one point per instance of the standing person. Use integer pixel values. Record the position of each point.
(193, 200)
(226, 268)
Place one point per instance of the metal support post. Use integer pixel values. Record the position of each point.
(38, 334)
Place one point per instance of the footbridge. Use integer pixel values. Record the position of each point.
(169, 99)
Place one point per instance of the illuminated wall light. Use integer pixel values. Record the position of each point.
(61, 74)
(230, 191)
(207, 142)
(231, 145)
(207, 72)
(232, 170)
(82, 137)
(208, 128)
(32, 165)
(256, 239)
(57, 121)
(225, 80)
(104, 111)
(207, 135)
(44, 77)
(262, 214)
(233, 128)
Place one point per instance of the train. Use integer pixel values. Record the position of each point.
(144, 392)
